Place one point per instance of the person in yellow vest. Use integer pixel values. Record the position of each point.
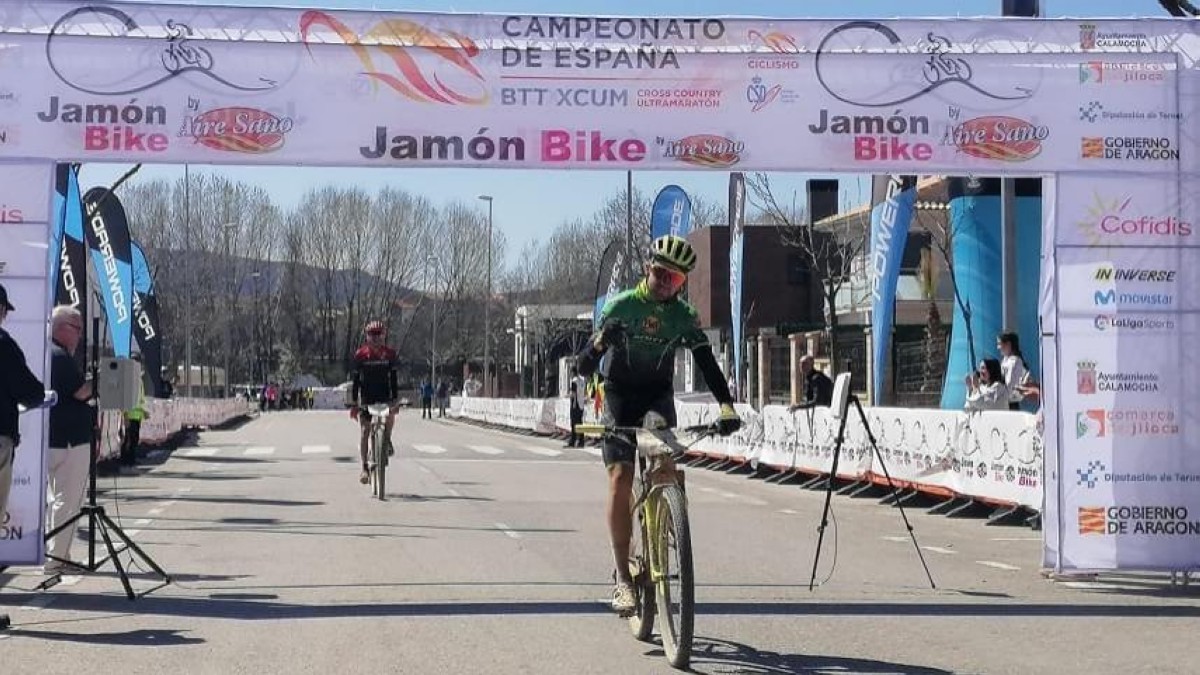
(133, 424)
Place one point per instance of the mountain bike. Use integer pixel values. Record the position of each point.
(377, 451)
(660, 553)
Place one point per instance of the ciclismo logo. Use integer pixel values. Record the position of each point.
(1141, 519)
(1105, 322)
(1125, 423)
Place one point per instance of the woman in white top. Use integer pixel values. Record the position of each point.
(1012, 367)
(986, 389)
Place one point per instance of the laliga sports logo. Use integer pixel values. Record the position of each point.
(434, 67)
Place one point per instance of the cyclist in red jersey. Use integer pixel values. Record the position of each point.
(374, 379)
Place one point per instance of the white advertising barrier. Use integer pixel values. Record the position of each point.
(25, 197)
(167, 418)
(1126, 325)
(168, 83)
(995, 456)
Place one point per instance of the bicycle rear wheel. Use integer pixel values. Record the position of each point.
(641, 624)
(676, 585)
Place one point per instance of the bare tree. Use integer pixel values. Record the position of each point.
(831, 251)
(941, 235)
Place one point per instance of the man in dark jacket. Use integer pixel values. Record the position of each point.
(18, 385)
(818, 388)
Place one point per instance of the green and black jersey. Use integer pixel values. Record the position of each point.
(645, 360)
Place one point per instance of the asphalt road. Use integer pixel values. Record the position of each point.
(491, 557)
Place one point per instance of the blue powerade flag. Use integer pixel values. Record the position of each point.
(737, 223)
(893, 197)
(146, 324)
(68, 248)
(672, 213)
(107, 233)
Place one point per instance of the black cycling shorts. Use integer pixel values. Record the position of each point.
(628, 410)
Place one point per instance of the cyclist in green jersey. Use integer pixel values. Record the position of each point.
(640, 329)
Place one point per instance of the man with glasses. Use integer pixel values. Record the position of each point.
(18, 386)
(71, 425)
(374, 379)
(642, 328)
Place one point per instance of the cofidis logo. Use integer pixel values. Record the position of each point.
(1116, 218)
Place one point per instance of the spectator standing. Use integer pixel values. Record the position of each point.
(132, 431)
(426, 399)
(18, 385)
(72, 422)
(1014, 370)
(985, 388)
(577, 392)
(818, 388)
(443, 397)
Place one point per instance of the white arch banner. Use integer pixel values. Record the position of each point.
(1098, 108)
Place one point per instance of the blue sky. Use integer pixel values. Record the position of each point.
(529, 204)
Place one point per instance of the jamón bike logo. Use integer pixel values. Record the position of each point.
(433, 67)
(941, 68)
(180, 55)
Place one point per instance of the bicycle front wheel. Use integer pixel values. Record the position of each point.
(380, 451)
(676, 589)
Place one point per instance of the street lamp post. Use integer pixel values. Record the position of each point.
(487, 303)
(257, 342)
(229, 315)
(432, 262)
(187, 280)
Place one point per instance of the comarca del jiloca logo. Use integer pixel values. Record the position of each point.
(429, 66)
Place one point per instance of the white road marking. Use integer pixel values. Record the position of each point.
(167, 504)
(545, 452)
(143, 521)
(315, 450)
(595, 452)
(260, 451)
(939, 549)
(505, 529)
(742, 498)
(486, 449)
(1016, 539)
(789, 512)
(506, 462)
(429, 449)
(200, 452)
(894, 538)
(182, 489)
(70, 579)
(997, 565)
(453, 492)
(155, 511)
(132, 533)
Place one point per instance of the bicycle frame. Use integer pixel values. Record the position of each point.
(656, 471)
